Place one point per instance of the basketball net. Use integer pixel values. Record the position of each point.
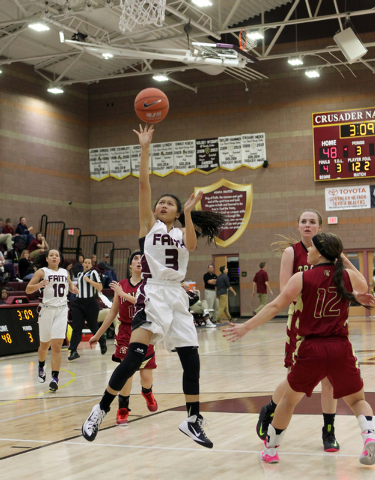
(141, 12)
(246, 43)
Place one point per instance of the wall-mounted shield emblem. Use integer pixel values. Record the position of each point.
(233, 200)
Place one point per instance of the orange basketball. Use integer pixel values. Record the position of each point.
(151, 105)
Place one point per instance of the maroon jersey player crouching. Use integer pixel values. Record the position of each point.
(123, 304)
(323, 348)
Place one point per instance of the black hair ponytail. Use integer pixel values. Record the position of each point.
(209, 223)
(330, 247)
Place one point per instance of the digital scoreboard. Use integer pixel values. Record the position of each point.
(19, 330)
(344, 143)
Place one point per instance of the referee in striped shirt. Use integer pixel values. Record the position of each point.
(86, 307)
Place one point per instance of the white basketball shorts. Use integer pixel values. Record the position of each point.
(52, 323)
(166, 314)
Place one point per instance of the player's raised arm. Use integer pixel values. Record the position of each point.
(190, 238)
(146, 217)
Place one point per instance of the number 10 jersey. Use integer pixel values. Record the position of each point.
(56, 292)
(165, 256)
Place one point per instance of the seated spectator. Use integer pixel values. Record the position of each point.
(8, 228)
(197, 306)
(3, 296)
(7, 268)
(37, 246)
(78, 267)
(93, 260)
(5, 238)
(109, 271)
(25, 265)
(23, 230)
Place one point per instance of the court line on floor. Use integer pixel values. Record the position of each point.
(48, 410)
(74, 377)
(145, 447)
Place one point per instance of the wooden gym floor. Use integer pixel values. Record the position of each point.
(41, 431)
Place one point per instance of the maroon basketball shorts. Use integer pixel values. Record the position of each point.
(319, 357)
(122, 339)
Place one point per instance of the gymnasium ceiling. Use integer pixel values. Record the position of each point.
(303, 27)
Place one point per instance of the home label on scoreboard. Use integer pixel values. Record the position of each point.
(344, 144)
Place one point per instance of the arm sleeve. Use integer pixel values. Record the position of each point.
(227, 282)
(255, 278)
(266, 277)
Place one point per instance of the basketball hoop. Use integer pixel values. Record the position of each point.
(246, 43)
(141, 12)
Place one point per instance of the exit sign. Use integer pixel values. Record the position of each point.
(71, 231)
(333, 220)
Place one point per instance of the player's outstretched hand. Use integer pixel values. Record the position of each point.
(193, 200)
(75, 290)
(234, 331)
(93, 341)
(145, 135)
(366, 299)
(116, 287)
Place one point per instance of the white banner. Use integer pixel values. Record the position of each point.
(135, 159)
(230, 152)
(99, 163)
(184, 155)
(253, 149)
(119, 162)
(348, 198)
(162, 159)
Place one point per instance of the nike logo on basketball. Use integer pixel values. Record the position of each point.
(146, 105)
(195, 433)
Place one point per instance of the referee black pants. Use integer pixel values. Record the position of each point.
(84, 309)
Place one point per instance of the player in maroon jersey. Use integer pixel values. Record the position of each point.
(294, 259)
(323, 295)
(123, 303)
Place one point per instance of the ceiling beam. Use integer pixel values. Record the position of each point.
(8, 61)
(278, 33)
(192, 22)
(230, 15)
(299, 21)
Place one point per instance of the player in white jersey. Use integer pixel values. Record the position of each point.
(162, 307)
(54, 284)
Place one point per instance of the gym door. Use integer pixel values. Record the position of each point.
(232, 262)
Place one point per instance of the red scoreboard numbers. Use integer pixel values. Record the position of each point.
(344, 144)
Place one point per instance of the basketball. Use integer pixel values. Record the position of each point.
(151, 105)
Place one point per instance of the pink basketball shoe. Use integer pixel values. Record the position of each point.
(270, 455)
(368, 455)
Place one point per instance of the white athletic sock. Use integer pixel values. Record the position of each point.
(366, 426)
(273, 440)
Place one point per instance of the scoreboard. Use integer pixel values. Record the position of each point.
(19, 330)
(344, 143)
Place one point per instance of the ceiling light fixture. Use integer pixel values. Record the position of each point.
(312, 73)
(107, 56)
(160, 78)
(39, 27)
(62, 36)
(256, 35)
(55, 89)
(202, 3)
(295, 61)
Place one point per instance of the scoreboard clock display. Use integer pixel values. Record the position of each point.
(19, 331)
(344, 143)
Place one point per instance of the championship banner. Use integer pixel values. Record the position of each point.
(184, 155)
(135, 159)
(232, 200)
(162, 159)
(253, 150)
(230, 152)
(348, 198)
(207, 155)
(119, 162)
(99, 163)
